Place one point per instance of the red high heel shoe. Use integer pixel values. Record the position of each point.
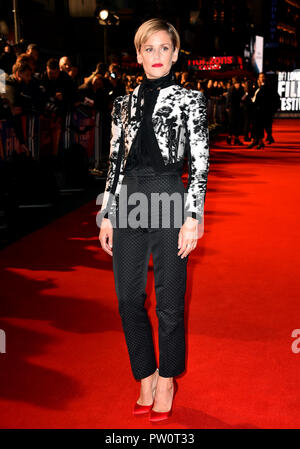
(159, 416)
(143, 409)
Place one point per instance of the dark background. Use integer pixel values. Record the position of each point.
(223, 27)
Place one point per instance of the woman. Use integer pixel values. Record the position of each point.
(233, 107)
(151, 129)
(247, 108)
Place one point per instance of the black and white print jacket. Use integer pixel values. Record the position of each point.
(178, 112)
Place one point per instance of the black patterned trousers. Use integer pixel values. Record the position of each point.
(132, 248)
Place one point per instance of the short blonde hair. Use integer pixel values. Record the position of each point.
(152, 26)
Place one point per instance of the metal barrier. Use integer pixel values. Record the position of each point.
(50, 136)
(9, 140)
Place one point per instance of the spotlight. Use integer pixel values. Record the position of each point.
(103, 14)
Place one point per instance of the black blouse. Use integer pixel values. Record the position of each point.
(144, 151)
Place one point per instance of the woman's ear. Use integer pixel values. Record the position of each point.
(175, 55)
(139, 58)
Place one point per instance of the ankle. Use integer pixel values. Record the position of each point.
(165, 383)
(166, 379)
(148, 381)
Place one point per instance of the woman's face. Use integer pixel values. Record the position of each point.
(157, 54)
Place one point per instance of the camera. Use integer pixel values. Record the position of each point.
(5, 112)
(51, 108)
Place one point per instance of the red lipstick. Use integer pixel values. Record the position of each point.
(156, 65)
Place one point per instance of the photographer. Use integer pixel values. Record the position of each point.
(35, 88)
(59, 88)
(92, 93)
(7, 57)
(18, 96)
(95, 97)
(65, 64)
(33, 51)
(115, 79)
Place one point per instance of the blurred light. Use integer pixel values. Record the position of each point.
(287, 28)
(103, 14)
(194, 17)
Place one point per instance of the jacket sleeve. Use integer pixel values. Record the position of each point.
(198, 153)
(109, 202)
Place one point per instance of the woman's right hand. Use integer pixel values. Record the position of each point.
(106, 236)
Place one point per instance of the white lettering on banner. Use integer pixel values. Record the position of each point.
(289, 90)
(290, 104)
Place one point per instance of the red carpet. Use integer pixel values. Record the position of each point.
(66, 363)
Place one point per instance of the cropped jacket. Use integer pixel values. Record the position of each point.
(180, 126)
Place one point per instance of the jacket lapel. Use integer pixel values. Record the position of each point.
(132, 124)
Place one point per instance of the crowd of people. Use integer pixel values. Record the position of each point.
(251, 107)
(54, 90)
(243, 107)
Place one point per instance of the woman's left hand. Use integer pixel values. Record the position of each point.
(188, 237)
